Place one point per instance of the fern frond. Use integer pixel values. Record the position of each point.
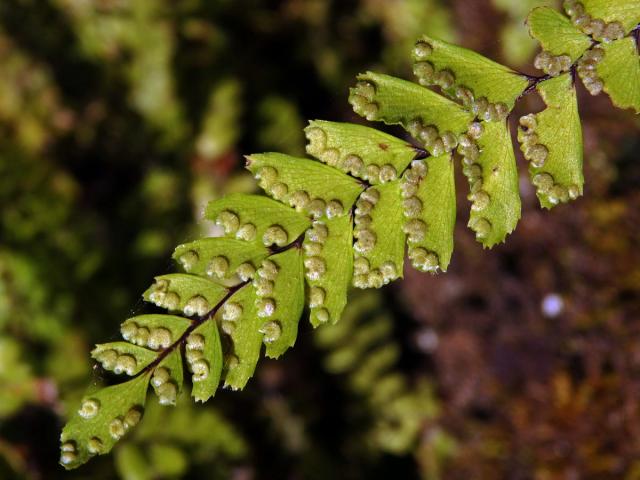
(347, 217)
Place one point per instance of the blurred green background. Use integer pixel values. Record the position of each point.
(121, 119)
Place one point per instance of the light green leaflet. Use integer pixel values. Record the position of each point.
(387, 220)
(281, 327)
(484, 77)
(220, 255)
(375, 363)
(131, 459)
(556, 33)
(352, 148)
(192, 294)
(496, 199)
(344, 358)
(437, 192)
(401, 102)
(259, 211)
(206, 388)
(559, 131)
(175, 325)
(173, 363)
(331, 288)
(246, 339)
(311, 178)
(130, 359)
(627, 12)
(620, 72)
(102, 419)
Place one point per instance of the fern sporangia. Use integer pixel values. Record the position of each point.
(345, 219)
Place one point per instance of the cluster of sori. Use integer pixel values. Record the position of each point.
(230, 222)
(194, 353)
(264, 283)
(537, 154)
(164, 386)
(119, 363)
(315, 268)
(300, 200)
(164, 298)
(534, 152)
(587, 69)
(121, 424)
(365, 276)
(428, 75)
(155, 338)
(597, 28)
(414, 226)
(430, 138)
(273, 235)
(347, 162)
(365, 237)
(479, 198)
(554, 192)
(218, 267)
(362, 102)
(552, 65)
(231, 313)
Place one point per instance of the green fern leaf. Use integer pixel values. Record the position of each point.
(103, 418)
(190, 294)
(240, 321)
(280, 300)
(168, 378)
(328, 248)
(361, 151)
(203, 352)
(493, 179)
(123, 357)
(423, 113)
(459, 71)
(307, 185)
(271, 222)
(379, 248)
(556, 33)
(552, 141)
(431, 218)
(619, 70)
(221, 257)
(626, 12)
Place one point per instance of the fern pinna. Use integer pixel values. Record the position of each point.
(344, 220)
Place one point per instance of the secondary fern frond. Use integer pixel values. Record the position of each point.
(346, 219)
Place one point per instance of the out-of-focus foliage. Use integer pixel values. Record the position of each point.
(172, 441)
(515, 42)
(530, 384)
(362, 348)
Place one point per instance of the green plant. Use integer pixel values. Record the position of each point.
(362, 349)
(375, 188)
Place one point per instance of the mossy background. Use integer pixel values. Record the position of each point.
(120, 119)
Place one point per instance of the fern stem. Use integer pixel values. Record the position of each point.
(196, 322)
